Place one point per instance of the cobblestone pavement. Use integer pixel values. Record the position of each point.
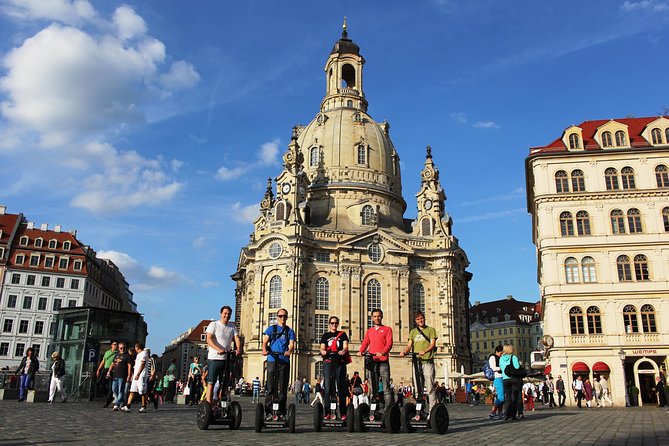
(87, 423)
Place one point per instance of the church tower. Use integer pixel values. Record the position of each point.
(332, 239)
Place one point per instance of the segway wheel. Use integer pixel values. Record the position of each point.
(439, 419)
(260, 417)
(392, 419)
(291, 418)
(408, 412)
(350, 418)
(204, 415)
(235, 412)
(361, 414)
(318, 417)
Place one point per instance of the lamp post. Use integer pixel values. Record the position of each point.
(622, 355)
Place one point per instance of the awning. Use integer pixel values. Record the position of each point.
(600, 367)
(547, 370)
(580, 367)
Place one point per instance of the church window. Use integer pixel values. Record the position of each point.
(322, 294)
(576, 321)
(665, 218)
(375, 252)
(349, 103)
(418, 263)
(425, 226)
(662, 176)
(606, 139)
(280, 211)
(566, 224)
(617, 222)
(275, 292)
(656, 134)
(589, 270)
(630, 319)
(561, 181)
(648, 319)
(577, 181)
(271, 319)
(666, 135)
(320, 326)
(319, 370)
(373, 299)
(275, 250)
(367, 215)
(611, 179)
(313, 157)
(594, 320)
(571, 270)
(362, 154)
(627, 177)
(641, 267)
(348, 76)
(634, 221)
(418, 299)
(620, 138)
(583, 223)
(624, 268)
(322, 256)
(574, 141)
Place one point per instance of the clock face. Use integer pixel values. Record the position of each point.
(286, 188)
(428, 205)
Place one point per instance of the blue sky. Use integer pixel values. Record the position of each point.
(151, 127)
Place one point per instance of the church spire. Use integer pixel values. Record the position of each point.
(344, 31)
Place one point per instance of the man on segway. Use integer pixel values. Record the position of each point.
(378, 341)
(422, 341)
(334, 348)
(220, 335)
(278, 338)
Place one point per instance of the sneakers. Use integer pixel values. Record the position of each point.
(142, 410)
(125, 409)
(343, 417)
(115, 408)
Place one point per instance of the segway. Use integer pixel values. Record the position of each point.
(335, 418)
(223, 411)
(277, 418)
(416, 416)
(375, 415)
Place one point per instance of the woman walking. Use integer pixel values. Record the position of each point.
(26, 371)
(57, 373)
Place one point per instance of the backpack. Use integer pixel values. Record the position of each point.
(488, 372)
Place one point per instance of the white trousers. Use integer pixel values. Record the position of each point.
(56, 384)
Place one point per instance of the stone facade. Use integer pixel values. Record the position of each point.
(599, 199)
(332, 239)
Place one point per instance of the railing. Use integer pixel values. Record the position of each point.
(350, 91)
(638, 338)
(10, 380)
(586, 339)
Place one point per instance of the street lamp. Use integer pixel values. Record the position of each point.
(622, 355)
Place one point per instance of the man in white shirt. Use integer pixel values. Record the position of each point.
(139, 383)
(578, 390)
(220, 336)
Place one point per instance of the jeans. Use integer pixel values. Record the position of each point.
(118, 387)
(341, 386)
(511, 391)
(256, 395)
(562, 397)
(278, 371)
(25, 382)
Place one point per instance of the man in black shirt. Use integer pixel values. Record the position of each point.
(334, 348)
(121, 372)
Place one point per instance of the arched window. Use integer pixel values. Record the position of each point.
(574, 141)
(606, 139)
(367, 215)
(362, 154)
(624, 268)
(666, 135)
(617, 221)
(576, 321)
(577, 181)
(373, 299)
(665, 218)
(630, 320)
(275, 292)
(662, 176)
(425, 226)
(656, 134)
(571, 270)
(313, 157)
(589, 270)
(620, 138)
(594, 320)
(648, 319)
(611, 178)
(627, 177)
(582, 223)
(566, 224)
(634, 221)
(641, 267)
(561, 181)
(417, 299)
(280, 211)
(322, 294)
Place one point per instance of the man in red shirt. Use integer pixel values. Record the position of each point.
(378, 342)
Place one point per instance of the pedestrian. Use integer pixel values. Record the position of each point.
(256, 390)
(222, 336)
(103, 371)
(139, 383)
(297, 390)
(577, 385)
(195, 381)
(530, 395)
(356, 389)
(633, 392)
(158, 391)
(57, 373)
(660, 391)
(318, 390)
(498, 404)
(154, 378)
(512, 375)
(278, 344)
(121, 373)
(597, 391)
(550, 384)
(605, 391)
(26, 371)
(562, 395)
(171, 376)
(377, 342)
(306, 391)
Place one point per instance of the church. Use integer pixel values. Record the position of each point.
(331, 239)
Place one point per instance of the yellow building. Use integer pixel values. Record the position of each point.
(599, 199)
(332, 239)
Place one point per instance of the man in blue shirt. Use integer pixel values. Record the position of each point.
(256, 390)
(278, 340)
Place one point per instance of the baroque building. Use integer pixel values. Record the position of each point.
(599, 199)
(332, 239)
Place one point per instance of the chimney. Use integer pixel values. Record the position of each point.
(509, 297)
(30, 225)
(57, 228)
(477, 303)
(3, 208)
(73, 232)
(44, 227)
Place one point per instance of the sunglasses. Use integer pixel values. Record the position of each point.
(334, 323)
(281, 315)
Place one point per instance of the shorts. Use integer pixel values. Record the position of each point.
(216, 369)
(139, 386)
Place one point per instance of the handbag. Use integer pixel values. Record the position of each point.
(514, 372)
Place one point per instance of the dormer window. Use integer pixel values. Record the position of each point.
(66, 246)
(656, 135)
(23, 241)
(367, 215)
(34, 260)
(77, 265)
(53, 244)
(38, 242)
(313, 157)
(574, 141)
(607, 141)
(621, 140)
(63, 263)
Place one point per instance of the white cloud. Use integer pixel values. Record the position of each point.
(128, 24)
(486, 125)
(514, 195)
(493, 215)
(199, 242)
(65, 11)
(458, 117)
(268, 155)
(210, 284)
(141, 277)
(225, 173)
(645, 5)
(197, 139)
(181, 75)
(244, 214)
(176, 165)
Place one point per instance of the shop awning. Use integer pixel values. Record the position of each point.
(580, 367)
(547, 370)
(600, 367)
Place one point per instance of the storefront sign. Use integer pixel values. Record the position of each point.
(644, 352)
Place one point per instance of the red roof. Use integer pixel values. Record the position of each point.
(76, 251)
(198, 331)
(635, 127)
(7, 225)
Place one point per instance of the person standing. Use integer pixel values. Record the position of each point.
(550, 384)
(195, 381)
(530, 395)
(356, 389)
(221, 335)
(256, 390)
(562, 395)
(378, 342)
(423, 340)
(139, 379)
(102, 372)
(297, 390)
(26, 371)
(578, 390)
(171, 378)
(153, 378)
(121, 373)
(278, 343)
(498, 384)
(57, 373)
(605, 391)
(512, 379)
(659, 390)
(334, 349)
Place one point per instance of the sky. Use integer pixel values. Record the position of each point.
(151, 127)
